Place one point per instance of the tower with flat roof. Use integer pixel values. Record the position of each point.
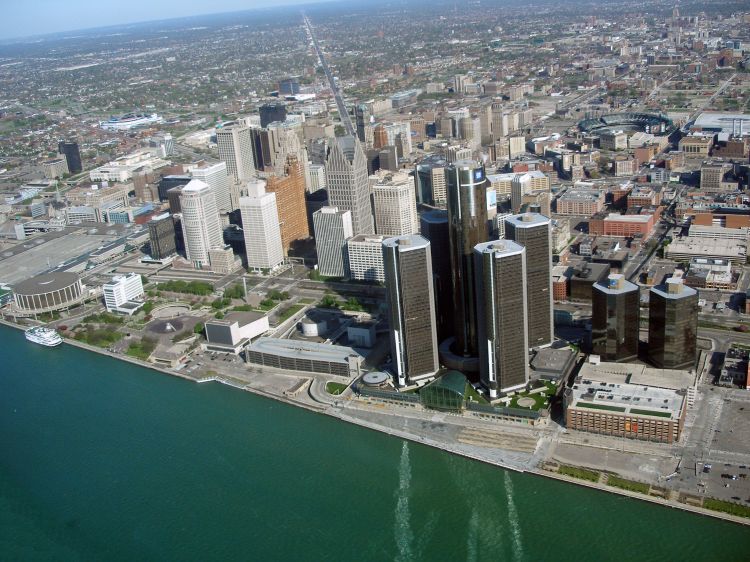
(333, 227)
(407, 262)
(260, 225)
(672, 325)
(433, 225)
(533, 232)
(467, 220)
(201, 227)
(502, 317)
(615, 318)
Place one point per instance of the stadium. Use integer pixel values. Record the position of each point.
(654, 123)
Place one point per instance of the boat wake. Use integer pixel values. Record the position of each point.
(515, 526)
(403, 532)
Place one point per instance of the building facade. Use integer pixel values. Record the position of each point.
(161, 236)
(395, 204)
(201, 227)
(467, 219)
(615, 319)
(333, 227)
(673, 325)
(365, 257)
(532, 231)
(347, 182)
(407, 262)
(124, 293)
(260, 224)
(502, 319)
(235, 145)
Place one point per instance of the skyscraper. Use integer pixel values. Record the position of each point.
(333, 227)
(672, 325)
(201, 228)
(434, 227)
(235, 144)
(467, 219)
(615, 319)
(407, 263)
(260, 224)
(347, 182)
(290, 200)
(533, 232)
(430, 180)
(215, 175)
(394, 203)
(502, 319)
(161, 235)
(72, 155)
(362, 117)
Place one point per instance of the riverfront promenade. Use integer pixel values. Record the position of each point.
(510, 446)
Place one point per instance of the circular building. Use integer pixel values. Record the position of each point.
(376, 379)
(48, 293)
(654, 123)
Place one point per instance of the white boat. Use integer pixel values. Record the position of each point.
(43, 336)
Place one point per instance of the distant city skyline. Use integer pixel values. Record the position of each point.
(24, 19)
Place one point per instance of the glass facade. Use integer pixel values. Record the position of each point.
(445, 393)
(615, 323)
(672, 328)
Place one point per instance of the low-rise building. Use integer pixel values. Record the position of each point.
(306, 357)
(581, 202)
(684, 249)
(629, 400)
(233, 332)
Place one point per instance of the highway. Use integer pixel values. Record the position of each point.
(343, 113)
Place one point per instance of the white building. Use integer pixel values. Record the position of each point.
(260, 223)
(201, 226)
(234, 331)
(365, 252)
(124, 293)
(332, 227)
(317, 177)
(347, 183)
(395, 203)
(217, 178)
(235, 144)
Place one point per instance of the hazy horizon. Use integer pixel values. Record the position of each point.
(45, 17)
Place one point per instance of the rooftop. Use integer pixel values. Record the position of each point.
(304, 350)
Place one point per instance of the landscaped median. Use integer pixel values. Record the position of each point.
(726, 507)
(580, 473)
(629, 485)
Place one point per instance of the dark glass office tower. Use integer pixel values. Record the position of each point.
(672, 325)
(162, 236)
(532, 231)
(500, 268)
(72, 155)
(433, 225)
(407, 264)
(272, 112)
(615, 319)
(467, 220)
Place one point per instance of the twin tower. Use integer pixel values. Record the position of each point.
(497, 302)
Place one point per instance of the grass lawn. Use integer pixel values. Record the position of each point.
(580, 404)
(539, 398)
(307, 301)
(726, 507)
(580, 473)
(102, 337)
(335, 388)
(141, 350)
(651, 413)
(628, 485)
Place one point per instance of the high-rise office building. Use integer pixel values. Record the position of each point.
(347, 182)
(362, 117)
(168, 182)
(161, 236)
(333, 227)
(289, 86)
(502, 318)
(201, 227)
(430, 181)
(271, 113)
(533, 232)
(173, 196)
(615, 319)
(407, 263)
(260, 224)
(388, 158)
(215, 175)
(235, 145)
(72, 155)
(394, 203)
(672, 325)
(290, 200)
(467, 219)
(433, 225)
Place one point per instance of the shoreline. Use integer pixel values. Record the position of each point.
(335, 413)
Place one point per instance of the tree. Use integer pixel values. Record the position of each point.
(199, 327)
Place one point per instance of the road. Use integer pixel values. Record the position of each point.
(343, 113)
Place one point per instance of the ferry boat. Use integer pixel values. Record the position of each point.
(43, 336)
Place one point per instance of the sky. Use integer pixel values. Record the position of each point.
(22, 18)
